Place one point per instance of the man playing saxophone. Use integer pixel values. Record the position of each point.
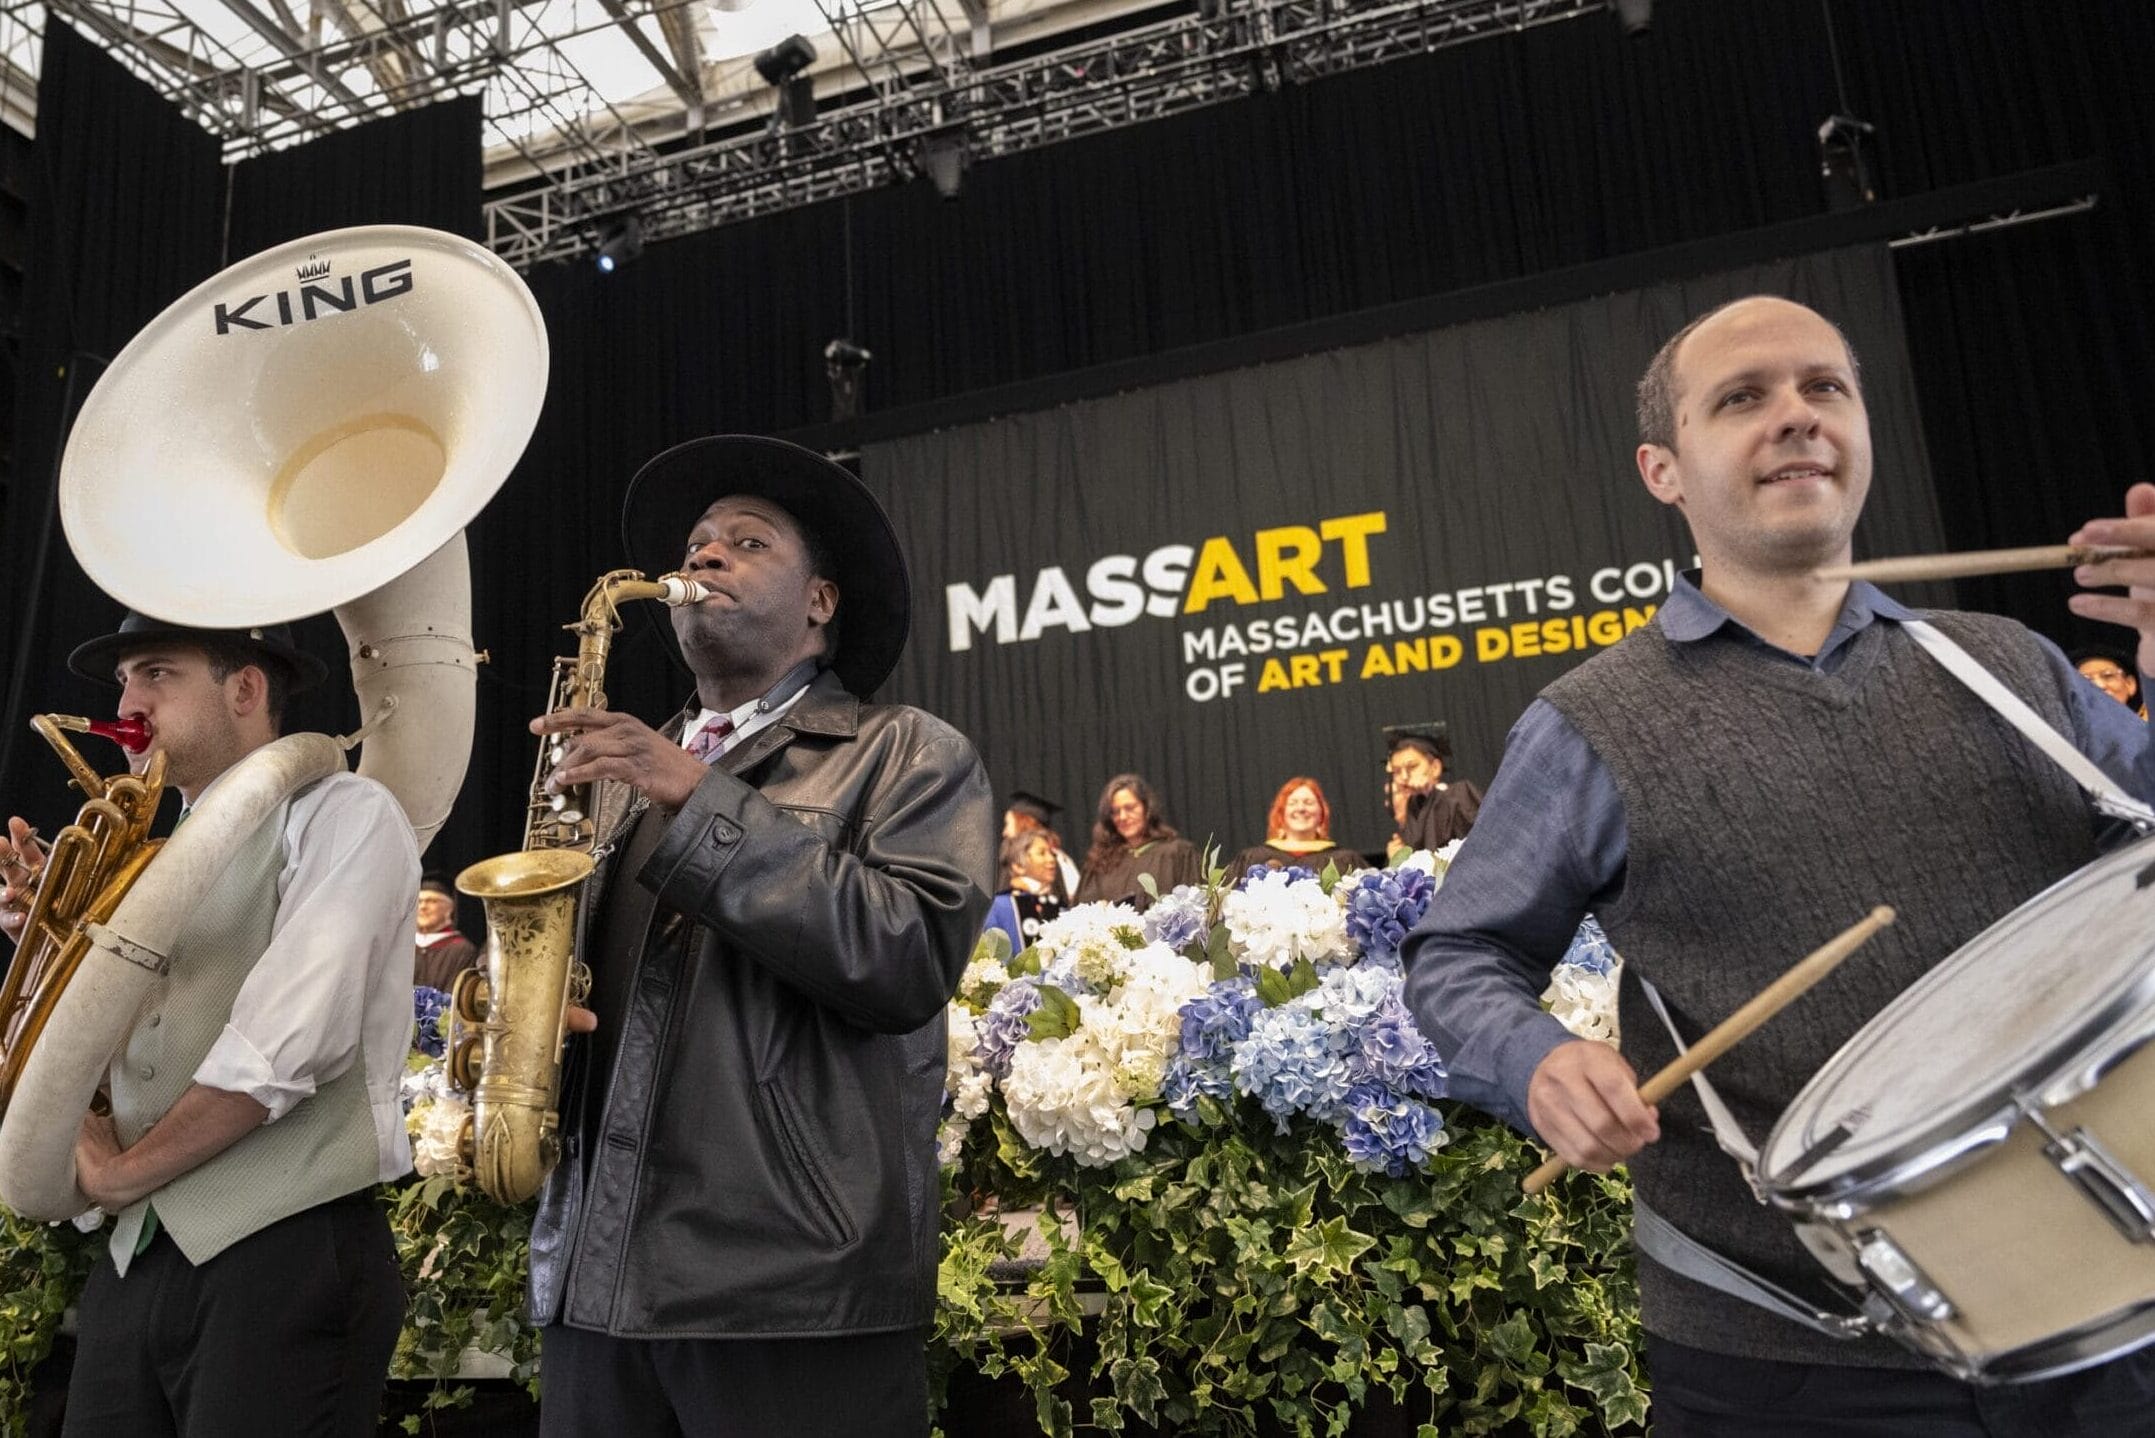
(741, 1235)
(249, 1284)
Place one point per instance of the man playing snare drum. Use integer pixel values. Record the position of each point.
(1725, 790)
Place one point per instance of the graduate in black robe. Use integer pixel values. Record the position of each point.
(1429, 810)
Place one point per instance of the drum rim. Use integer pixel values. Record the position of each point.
(1960, 1132)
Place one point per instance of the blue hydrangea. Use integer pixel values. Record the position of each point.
(1294, 1062)
(1382, 905)
(1178, 919)
(1295, 873)
(1590, 948)
(1218, 1019)
(1004, 1026)
(427, 1008)
(1397, 1055)
(1385, 1132)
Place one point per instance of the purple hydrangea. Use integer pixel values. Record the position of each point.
(1397, 1055)
(1178, 919)
(1386, 1132)
(1382, 905)
(1004, 1026)
(1295, 873)
(427, 1008)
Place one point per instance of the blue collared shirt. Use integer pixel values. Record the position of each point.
(1550, 844)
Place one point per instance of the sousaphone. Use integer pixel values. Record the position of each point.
(309, 430)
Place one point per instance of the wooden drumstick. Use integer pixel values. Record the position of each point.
(1725, 1035)
(1982, 561)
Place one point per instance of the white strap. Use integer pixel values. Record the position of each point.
(2109, 798)
(1728, 1133)
(1681, 1254)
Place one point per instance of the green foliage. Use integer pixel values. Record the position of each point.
(1056, 1018)
(1229, 1278)
(42, 1269)
(465, 1259)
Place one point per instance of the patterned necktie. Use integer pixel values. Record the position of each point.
(705, 743)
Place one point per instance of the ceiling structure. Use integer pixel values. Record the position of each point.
(599, 111)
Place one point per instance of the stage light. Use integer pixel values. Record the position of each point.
(1844, 166)
(845, 364)
(620, 242)
(784, 60)
(1636, 17)
(943, 159)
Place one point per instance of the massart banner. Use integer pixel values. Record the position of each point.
(1229, 580)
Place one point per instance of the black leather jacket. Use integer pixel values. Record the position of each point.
(762, 1162)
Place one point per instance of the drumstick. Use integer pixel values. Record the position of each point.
(1725, 1035)
(1982, 561)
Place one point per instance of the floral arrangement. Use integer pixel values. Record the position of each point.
(1232, 1094)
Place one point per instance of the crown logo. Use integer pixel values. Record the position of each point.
(313, 269)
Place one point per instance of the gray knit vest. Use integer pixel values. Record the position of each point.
(1769, 807)
(323, 1148)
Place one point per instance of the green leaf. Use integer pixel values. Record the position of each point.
(1301, 978)
(1220, 949)
(1057, 1016)
(1331, 1246)
(1272, 986)
(1329, 879)
(1149, 884)
(1025, 961)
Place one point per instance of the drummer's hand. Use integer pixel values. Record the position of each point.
(581, 1020)
(621, 747)
(1584, 1102)
(2136, 607)
(22, 859)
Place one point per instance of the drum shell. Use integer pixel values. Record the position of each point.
(2040, 1279)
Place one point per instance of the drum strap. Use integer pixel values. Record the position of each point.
(1728, 1133)
(2110, 800)
(1681, 1254)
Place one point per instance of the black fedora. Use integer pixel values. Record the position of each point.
(875, 596)
(97, 658)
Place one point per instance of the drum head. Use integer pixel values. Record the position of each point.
(2004, 1013)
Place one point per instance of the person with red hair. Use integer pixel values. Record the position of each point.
(1298, 830)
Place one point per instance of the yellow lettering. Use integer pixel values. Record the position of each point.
(1491, 644)
(1353, 532)
(1637, 618)
(1219, 575)
(1333, 660)
(1445, 650)
(1525, 639)
(1604, 627)
(1411, 655)
(1303, 668)
(1375, 665)
(1288, 555)
(1274, 677)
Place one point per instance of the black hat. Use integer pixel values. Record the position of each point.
(437, 884)
(1044, 810)
(1432, 737)
(2129, 663)
(97, 658)
(875, 597)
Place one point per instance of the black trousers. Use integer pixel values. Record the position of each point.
(286, 1334)
(1715, 1395)
(868, 1386)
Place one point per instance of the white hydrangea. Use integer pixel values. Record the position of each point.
(436, 1126)
(963, 1079)
(984, 974)
(1062, 1096)
(1276, 920)
(1432, 862)
(1091, 943)
(1584, 1001)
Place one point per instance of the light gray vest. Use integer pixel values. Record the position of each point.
(322, 1149)
(1769, 807)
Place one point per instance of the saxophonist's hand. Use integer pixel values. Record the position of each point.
(22, 861)
(621, 747)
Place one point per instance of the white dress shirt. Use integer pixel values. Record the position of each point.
(338, 969)
(748, 720)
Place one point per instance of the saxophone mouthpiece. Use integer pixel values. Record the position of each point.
(130, 734)
(680, 590)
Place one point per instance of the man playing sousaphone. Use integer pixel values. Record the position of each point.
(741, 1236)
(249, 1284)
(1775, 754)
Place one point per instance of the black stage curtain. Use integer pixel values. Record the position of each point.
(134, 208)
(1465, 504)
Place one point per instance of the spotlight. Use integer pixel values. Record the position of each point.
(784, 60)
(845, 364)
(1636, 17)
(620, 242)
(943, 159)
(1844, 166)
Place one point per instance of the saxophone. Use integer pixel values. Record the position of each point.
(512, 1009)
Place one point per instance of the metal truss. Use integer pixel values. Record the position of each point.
(921, 101)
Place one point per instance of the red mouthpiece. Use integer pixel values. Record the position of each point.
(130, 734)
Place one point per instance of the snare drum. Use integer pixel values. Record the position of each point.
(1979, 1160)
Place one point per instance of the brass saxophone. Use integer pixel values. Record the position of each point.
(512, 1010)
